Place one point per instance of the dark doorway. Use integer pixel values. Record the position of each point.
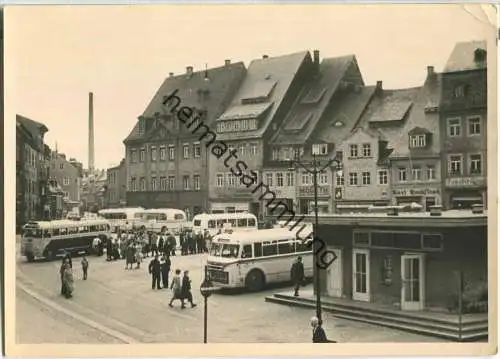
(429, 201)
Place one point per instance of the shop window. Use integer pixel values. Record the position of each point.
(432, 241)
(361, 239)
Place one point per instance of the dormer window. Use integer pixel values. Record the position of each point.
(418, 141)
(276, 154)
(320, 149)
(459, 91)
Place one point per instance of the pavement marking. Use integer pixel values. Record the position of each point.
(51, 304)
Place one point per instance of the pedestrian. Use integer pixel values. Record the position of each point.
(172, 243)
(129, 256)
(297, 274)
(61, 273)
(165, 269)
(138, 255)
(186, 290)
(85, 267)
(161, 243)
(319, 335)
(67, 256)
(155, 271)
(67, 279)
(109, 249)
(176, 287)
(154, 245)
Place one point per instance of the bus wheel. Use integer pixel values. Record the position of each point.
(30, 257)
(254, 281)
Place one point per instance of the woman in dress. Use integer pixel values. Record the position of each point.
(68, 282)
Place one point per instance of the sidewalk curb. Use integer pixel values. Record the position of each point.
(53, 305)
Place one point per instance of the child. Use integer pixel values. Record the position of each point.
(85, 267)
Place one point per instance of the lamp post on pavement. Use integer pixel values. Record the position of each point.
(317, 168)
(206, 290)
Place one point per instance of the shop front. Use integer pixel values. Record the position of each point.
(234, 200)
(191, 202)
(426, 196)
(283, 195)
(305, 196)
(463, 192)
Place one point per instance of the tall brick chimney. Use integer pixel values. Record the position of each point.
(430, 71)
(189, 70)
(316, 57)
(91, 132)
(227, 62)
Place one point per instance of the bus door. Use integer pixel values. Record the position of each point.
(247, 259)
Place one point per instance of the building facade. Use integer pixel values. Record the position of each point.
(166, 160)
(267, 93)
(31, 170)
(117, 185)
(68, 178)
(463, 125)
(94, 191)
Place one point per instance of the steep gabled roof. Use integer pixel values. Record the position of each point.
(33, 128)
(313, 101)
(195, 91)
(462, 57)
(267, 80)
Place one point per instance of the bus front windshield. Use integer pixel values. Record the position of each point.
(225, 250)
(32, 233)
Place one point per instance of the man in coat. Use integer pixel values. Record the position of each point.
(297, 273)
(165, 270)
(155, 271)
(319, 335)
(186, 290)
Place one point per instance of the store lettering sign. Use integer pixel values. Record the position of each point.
(233, 192)
(410, 192)
(465, 182)
(308, 191)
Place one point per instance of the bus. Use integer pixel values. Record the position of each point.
(120, 218)
(215, 221)
(253, 259)
(161, 219)
(47, 239)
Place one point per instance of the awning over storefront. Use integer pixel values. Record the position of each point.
(467, 199)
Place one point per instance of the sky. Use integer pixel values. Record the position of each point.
(55, 56)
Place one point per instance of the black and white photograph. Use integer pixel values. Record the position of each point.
(220, 174)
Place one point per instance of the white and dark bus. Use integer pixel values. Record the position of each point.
(47, 239)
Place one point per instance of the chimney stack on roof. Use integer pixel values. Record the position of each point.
(265, 57)
(189, 70)
(170, 74)
(379, 85)
(227, 62)
(479, 55)
(430, 71)
(316, 57)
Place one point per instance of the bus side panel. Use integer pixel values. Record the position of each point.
(83, 243)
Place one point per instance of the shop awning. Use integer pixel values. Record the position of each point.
(468, 198)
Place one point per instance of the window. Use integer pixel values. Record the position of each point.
(253, 148)
(133, 184)
(220, 180)
(269, 179)
(382, 177)
(61, 166)
(153, 153)
(402, 174)
(474, 125)
(185, 151)
(455, 164)
(154, 184)
(361, 238)
(196, 182)
(459, 91)
(171, 152)
(354, 150)
(306, 178)
(323, 178)
(286, 247)
(142, 155)
(417, 141)
(142, 184)
(454, 127)
(232, 180)
(290, 179)
(196, 150)
(353, 179)
(230, 148)
(367, 150)
(66, 181)
(320, 149)
(133, 156)
(185, 183)
(475, 163)
(416, 173)
(276, 154)
(257, 250)
(279, 179)
(340, 179)
(241, 150)
(432, 241)
(366, 178)
(163, 183)
(171, 182)
(162, 153)
(269, 248)
(247, 251)
(431, 173)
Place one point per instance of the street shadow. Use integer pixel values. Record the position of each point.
(268, 287)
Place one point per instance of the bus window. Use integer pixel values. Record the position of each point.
(55, 231)
(220, 222)
(247, 251)
(303, 246)
(162, 217)
(232, 221)
(197, 222)
(179, 217)
(211, 223)
(269, 248)
(63, 231)
(31, 232)
(242, 222)
(251, 222)
(73, 230)
(285, 247)
(46, 233)
(257, 250)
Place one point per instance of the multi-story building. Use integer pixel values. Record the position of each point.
(68, 178)
(93, 192)
(78, 165)
(463, 125)
(263, 100)
(165, 159)
(117, 185)
(323, 96)
(31, 175)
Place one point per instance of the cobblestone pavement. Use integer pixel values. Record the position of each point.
(124, 301)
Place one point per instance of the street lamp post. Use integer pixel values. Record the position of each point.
(316, 169)
(206, 290)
